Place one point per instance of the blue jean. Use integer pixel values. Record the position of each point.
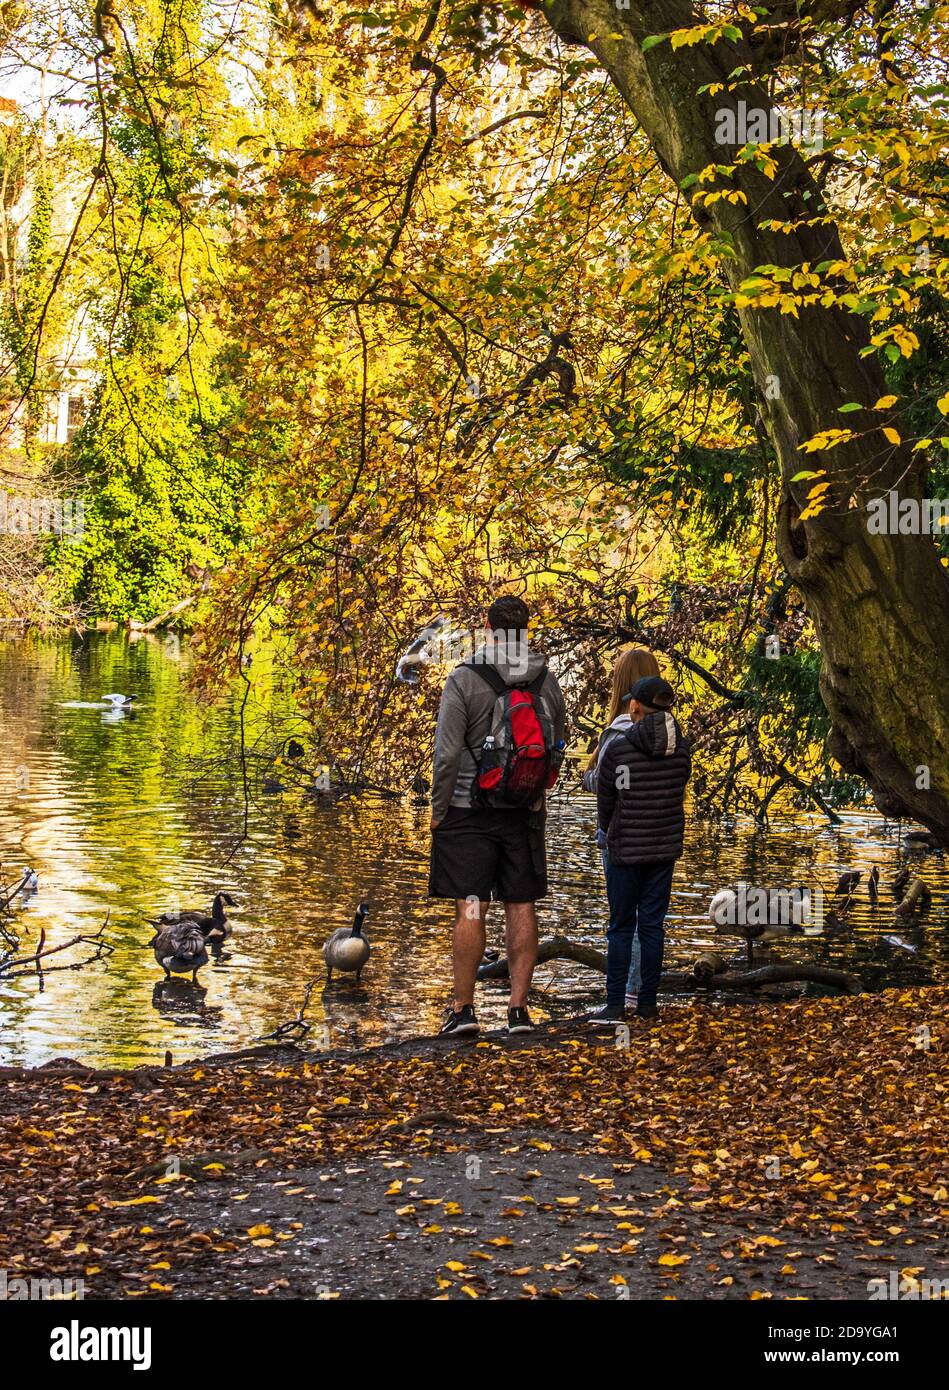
(639, 899)
(634, 979)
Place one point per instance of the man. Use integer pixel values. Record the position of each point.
(640, 810)
(483, 851)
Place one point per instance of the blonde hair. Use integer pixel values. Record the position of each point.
(631, 666)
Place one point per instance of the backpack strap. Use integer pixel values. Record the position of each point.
(537, 684)
(499, 685)
(489, 674)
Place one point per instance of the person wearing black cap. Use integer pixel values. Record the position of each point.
(641, 812)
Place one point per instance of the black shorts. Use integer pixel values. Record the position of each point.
(486, 854)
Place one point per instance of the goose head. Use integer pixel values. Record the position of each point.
(362, 912)
(217, 907)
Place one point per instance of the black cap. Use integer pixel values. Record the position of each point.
(653, 691)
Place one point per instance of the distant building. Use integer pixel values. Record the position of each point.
(67, 368)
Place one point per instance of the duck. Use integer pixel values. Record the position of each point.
(873, 885)
(180, 949)
(347, 949)
(117, 701)
(847, 884)
(30, 881)
(213, 925)
(900, 883)
(921, 839)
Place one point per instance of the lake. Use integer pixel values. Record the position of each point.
(129, 815)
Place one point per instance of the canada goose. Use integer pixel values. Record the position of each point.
(213, 925)
(348, 949)
(180, 948)
(117, 701)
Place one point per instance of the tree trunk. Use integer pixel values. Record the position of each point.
(880, 604)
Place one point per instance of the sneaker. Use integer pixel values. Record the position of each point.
(608, 1017)
(519, 1021)
(460, 1023)
(632, 1000)
(648, 1012)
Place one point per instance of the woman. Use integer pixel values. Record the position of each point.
(631, 666)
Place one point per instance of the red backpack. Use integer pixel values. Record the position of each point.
(519, 760)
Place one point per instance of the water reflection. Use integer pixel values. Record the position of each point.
(138, 814)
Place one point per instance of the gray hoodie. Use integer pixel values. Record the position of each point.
(619, 726)
(464, 720)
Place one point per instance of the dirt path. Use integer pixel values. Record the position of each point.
(778, 1151)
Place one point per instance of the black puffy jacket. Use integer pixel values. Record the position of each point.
(641, 791)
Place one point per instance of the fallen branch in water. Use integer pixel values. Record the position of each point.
(713, 972)
(551, 948)
(295, 1026)
(162, 618)
(916, 897)
(9, 968)
(562, 948)
(8, 894)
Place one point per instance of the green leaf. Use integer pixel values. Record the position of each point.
(651, 40)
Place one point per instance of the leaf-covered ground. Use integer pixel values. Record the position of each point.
(785, 1151)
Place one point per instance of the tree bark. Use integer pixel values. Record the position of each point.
(880, 604)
